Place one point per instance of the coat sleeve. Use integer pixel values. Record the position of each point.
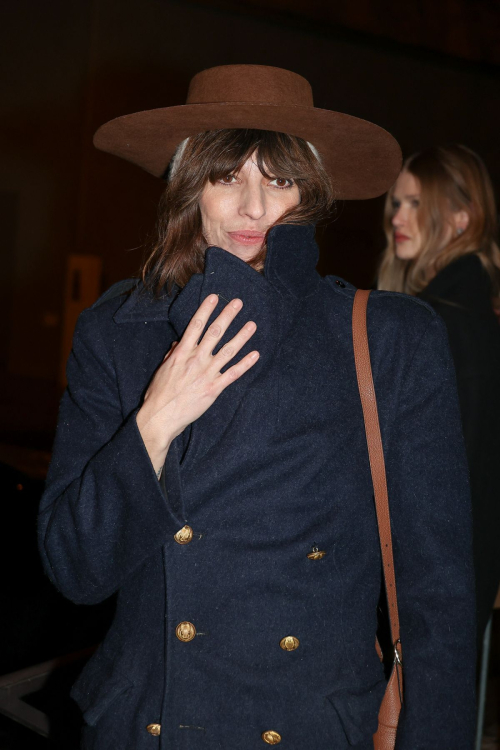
(103, 511)
(432, 536)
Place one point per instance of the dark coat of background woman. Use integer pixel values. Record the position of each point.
(461, 295)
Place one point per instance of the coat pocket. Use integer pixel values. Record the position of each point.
(357, 710)
(98, 686)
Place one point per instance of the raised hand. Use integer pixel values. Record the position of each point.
(189, 379)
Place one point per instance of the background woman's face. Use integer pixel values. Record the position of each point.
(238, 209)
(405, 205)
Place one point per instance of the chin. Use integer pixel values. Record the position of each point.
(405, 253)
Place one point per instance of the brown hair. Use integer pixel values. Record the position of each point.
(179, 249)
(452, 178)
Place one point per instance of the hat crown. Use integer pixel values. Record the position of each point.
(249, 83)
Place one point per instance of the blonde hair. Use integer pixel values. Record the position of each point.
(452, 178)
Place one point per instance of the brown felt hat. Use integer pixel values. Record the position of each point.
(363, 159)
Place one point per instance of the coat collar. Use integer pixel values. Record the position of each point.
(291, 259)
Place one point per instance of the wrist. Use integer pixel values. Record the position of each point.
(156, 443)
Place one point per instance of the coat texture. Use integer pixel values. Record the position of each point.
(277, 466)
(461, 294)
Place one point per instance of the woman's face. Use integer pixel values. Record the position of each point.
(405, 205)
(239, 209)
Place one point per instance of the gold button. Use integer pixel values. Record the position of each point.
(289, 643)
(185, 631)
(184, 535)
(154, 729)
(316, 554)
(271, 738)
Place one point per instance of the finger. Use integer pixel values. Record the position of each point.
(232, 347)
(198, 321)
(235, 372)
(217, 329)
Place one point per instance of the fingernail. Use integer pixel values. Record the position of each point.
(254, 355)
(213, 299)
(250, 325)
(236, 303)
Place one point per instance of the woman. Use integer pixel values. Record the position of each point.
(247, 586)
(441, 230)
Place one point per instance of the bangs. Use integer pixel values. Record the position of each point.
(276, 154)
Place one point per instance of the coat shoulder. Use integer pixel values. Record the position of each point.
(107, 305)
(96, 324)
(117, 291)
(387, 307)
(401, 308)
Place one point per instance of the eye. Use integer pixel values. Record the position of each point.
(228, 179)
(283, 183)
(395, 204)
(415, 203)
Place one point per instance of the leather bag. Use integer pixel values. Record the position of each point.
(390, 708)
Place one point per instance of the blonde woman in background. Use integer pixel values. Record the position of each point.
(441, 226)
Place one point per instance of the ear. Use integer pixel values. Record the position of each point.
(461, 220)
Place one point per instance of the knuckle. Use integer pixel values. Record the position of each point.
(197, 324)
(209, 390)
(227, 351)
(214, 330)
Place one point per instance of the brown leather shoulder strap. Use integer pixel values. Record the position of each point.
(375, 452)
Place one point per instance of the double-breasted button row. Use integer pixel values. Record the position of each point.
(270, 737)
(186, 631)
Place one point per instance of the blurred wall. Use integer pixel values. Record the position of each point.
(73, 65)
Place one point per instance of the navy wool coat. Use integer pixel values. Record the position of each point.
(276, 468)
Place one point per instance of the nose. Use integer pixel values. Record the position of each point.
(253, 201)
(399, 217)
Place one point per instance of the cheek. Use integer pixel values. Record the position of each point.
(210, 214)
(414, 225)
(216, 208)
(293, 197)
(284, 201)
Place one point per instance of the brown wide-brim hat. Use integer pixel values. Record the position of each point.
(362, 159)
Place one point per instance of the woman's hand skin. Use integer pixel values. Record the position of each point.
(189, 379)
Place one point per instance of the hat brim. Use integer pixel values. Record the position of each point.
(362, 159)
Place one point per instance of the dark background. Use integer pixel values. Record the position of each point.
(429, 72)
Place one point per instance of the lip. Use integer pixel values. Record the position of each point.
(399, 237)
(247, 237)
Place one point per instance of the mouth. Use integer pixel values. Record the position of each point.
(399, 237)
(247, 237)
